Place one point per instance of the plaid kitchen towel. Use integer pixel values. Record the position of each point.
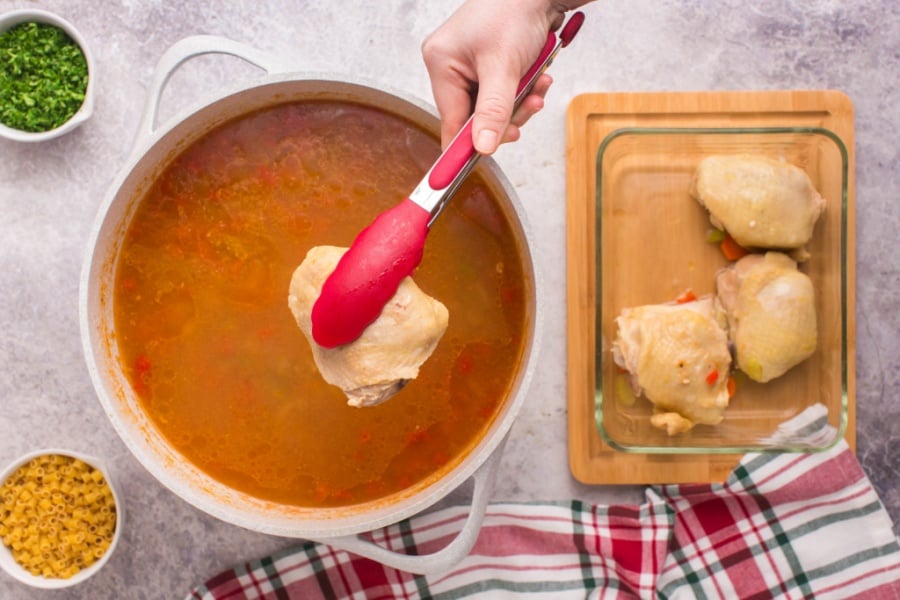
(781, 526)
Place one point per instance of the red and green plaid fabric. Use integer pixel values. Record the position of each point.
(782, 526)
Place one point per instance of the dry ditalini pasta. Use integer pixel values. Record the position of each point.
(57, 515)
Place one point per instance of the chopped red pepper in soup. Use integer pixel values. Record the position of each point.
(212, 350)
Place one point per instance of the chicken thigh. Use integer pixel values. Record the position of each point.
(677, 355)
(771, 313)
(388, 353)
(759, 201)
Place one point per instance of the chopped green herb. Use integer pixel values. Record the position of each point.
(43, 77)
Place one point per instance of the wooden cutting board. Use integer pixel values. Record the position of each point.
(590, 118)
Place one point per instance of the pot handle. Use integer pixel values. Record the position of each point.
(190, 47)
(451, 554)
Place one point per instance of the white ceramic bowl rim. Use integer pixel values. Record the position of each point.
(11, 19)
(9, 564)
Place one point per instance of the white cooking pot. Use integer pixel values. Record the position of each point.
(154, 147)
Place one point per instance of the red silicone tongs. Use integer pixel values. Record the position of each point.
(389, 249)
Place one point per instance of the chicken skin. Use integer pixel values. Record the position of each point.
(389, 352)
(677, 356)
(771, 313)
(759, 201)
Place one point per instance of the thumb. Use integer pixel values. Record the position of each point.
(497, 85)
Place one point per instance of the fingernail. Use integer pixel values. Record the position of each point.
(486, 141)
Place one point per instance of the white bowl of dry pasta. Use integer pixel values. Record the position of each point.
(60, 518)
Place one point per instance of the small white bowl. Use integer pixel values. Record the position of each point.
(9, 564)
(13, 18)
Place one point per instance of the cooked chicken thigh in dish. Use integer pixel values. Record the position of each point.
(389, 352)
(771, 313)
(677, 355)
(761, 202)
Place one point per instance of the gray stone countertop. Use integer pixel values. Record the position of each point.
(50, 193)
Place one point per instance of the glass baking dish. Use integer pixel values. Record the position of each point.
(652, 245)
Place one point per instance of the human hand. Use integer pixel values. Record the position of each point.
(484, 49)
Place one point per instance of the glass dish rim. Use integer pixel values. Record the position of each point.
(841, 429)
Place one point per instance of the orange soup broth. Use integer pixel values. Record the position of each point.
(212, 350)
